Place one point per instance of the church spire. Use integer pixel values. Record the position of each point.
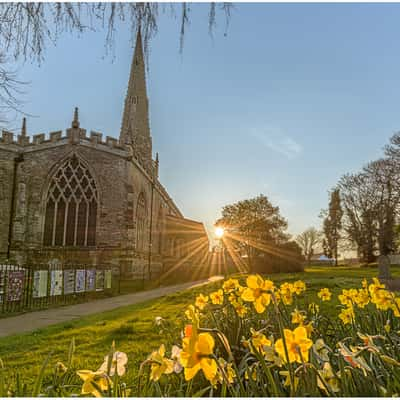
(135, 130)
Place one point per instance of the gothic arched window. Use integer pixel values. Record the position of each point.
(141, 215)
(71, 206)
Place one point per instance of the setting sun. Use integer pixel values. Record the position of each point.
(219, 232)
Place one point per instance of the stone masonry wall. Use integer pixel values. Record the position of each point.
(6, 181)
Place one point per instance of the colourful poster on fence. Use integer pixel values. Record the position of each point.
(2, 284)
(90, 279)
(107, 279)
(40, 284)
(56, 281)
(80, 280)
(15, 285)
(69, 281)
(99, 280)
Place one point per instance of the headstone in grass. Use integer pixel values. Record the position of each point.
(384, 267)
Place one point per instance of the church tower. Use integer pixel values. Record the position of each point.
(135, 130)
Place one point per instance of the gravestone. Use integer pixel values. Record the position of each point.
(384, 267)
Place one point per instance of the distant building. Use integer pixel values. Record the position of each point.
(80, 198)
(321, 259)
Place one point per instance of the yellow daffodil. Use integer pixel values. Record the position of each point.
(230, 285)
(309, 328)
(159, 364)
(325, 294)
(287, 287)
(217, 297)
(382, 299)
(197, 350)
(364, 284)
(362, 298)
(230, 373)
(232, 298)
(192, 315)
(299, 287)
(348, 297)
(347, 315)
(94, 383)
(375, 286)
(240, 289)
(240, 309)
(201, 301)
(286, 291)
(227, 373)
(258, 340)
(396, 307)
(297, 317)
(60, 368)
(258, 292)
(297, 343)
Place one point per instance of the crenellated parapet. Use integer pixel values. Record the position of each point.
(75, 135)
(72, 136)
(23, 143)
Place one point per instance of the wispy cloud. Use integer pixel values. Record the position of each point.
(276, 140)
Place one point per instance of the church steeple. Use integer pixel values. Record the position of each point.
(135, 130)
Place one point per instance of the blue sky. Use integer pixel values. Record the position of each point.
(291, 98)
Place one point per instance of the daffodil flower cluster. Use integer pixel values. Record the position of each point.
(241, 334)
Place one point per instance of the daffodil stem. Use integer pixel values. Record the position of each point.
(285, 347)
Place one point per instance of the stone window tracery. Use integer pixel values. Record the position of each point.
(71, 206)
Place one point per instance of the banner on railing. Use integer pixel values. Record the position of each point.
(69, 281)
(107, 279)
(90, 280)
(56, 283)
(40, 284)
(15, 285)
(80, 282)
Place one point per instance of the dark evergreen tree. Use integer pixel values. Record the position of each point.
(333, 224)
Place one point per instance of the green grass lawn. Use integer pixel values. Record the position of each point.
(133, 327)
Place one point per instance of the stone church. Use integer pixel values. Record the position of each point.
(81, 199)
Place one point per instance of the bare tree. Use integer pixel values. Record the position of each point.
(10, 90)
(358, 200)
(308, 240)
(27, 28)
(371, 200)
(385, 176)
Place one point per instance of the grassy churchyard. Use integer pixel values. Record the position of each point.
(136, 333)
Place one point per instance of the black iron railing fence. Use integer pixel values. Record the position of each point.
(26, 288)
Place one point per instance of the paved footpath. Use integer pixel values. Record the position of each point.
(40, 319)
